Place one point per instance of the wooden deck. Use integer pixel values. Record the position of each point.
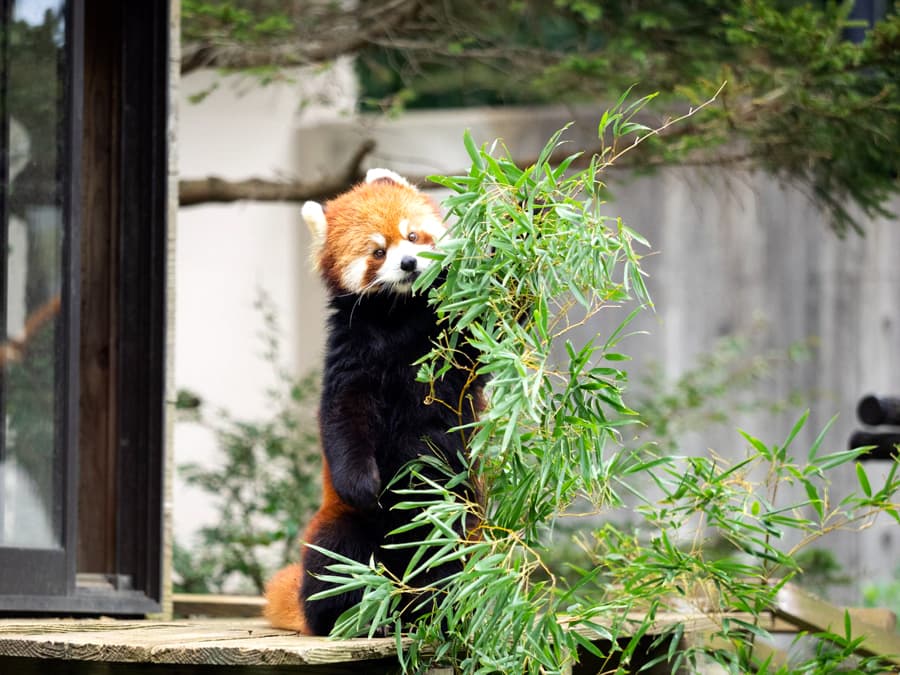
(247, 645)
(181, 646)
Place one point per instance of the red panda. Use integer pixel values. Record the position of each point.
(374, 417)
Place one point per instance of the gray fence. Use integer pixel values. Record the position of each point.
(733, 250)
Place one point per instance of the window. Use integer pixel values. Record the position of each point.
(83, 112)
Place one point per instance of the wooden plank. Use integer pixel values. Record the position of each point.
(250, 606)
(41, 626)
(877, 617)
(231, 606)
(695, 621)
(232, 642)
(110, 641)
(291, 649)
(814, 614)
(22, 666)
(222, 642)
(761, 650)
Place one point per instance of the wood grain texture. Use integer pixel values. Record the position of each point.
(230, 606)
(168, 536)
(220, 642)
(25, 666)
(99, 214)
(811, 613)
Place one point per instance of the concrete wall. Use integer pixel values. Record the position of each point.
(730, 249)
(738, 249)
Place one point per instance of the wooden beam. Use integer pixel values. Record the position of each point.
(225, 606)
(813, 614)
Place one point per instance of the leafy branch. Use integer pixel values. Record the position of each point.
(803, 102)
(533, 252)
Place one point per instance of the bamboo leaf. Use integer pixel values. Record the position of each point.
(863, 480)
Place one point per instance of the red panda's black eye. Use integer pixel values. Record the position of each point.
(413, 236)
(378, 253)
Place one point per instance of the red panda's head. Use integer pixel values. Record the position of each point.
(368, 239)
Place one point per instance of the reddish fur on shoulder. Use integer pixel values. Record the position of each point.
(283, 600)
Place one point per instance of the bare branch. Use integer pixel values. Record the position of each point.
(213, 189)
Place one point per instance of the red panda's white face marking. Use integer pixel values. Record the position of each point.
(369, 239)
(353, 277)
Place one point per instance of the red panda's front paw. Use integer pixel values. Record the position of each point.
(361, 490)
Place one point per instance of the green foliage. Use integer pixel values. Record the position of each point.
(252, 24)
(801, 102)
(266, 487)
(33, 96)
(531, 257)
(819, 570)
(198, 573)
(31, 391)
(719, 386)
(831, 652)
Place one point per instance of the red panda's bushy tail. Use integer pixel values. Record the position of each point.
(283, 600)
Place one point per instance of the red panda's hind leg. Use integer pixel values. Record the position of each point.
(347, 532)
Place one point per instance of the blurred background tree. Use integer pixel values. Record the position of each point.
(811, 96)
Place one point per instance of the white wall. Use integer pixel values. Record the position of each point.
(227, 254)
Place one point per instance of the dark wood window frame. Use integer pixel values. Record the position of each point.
(113, 304)
(49, 572)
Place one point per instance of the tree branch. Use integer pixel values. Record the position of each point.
(336, 34)
(214, 189)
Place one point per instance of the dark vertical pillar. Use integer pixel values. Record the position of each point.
(99, 273)
(142, 289)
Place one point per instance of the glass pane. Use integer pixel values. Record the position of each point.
(32, 115)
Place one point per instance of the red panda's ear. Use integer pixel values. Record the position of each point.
(386, 176)
(314, 216)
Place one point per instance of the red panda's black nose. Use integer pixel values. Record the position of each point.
(408, 263)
